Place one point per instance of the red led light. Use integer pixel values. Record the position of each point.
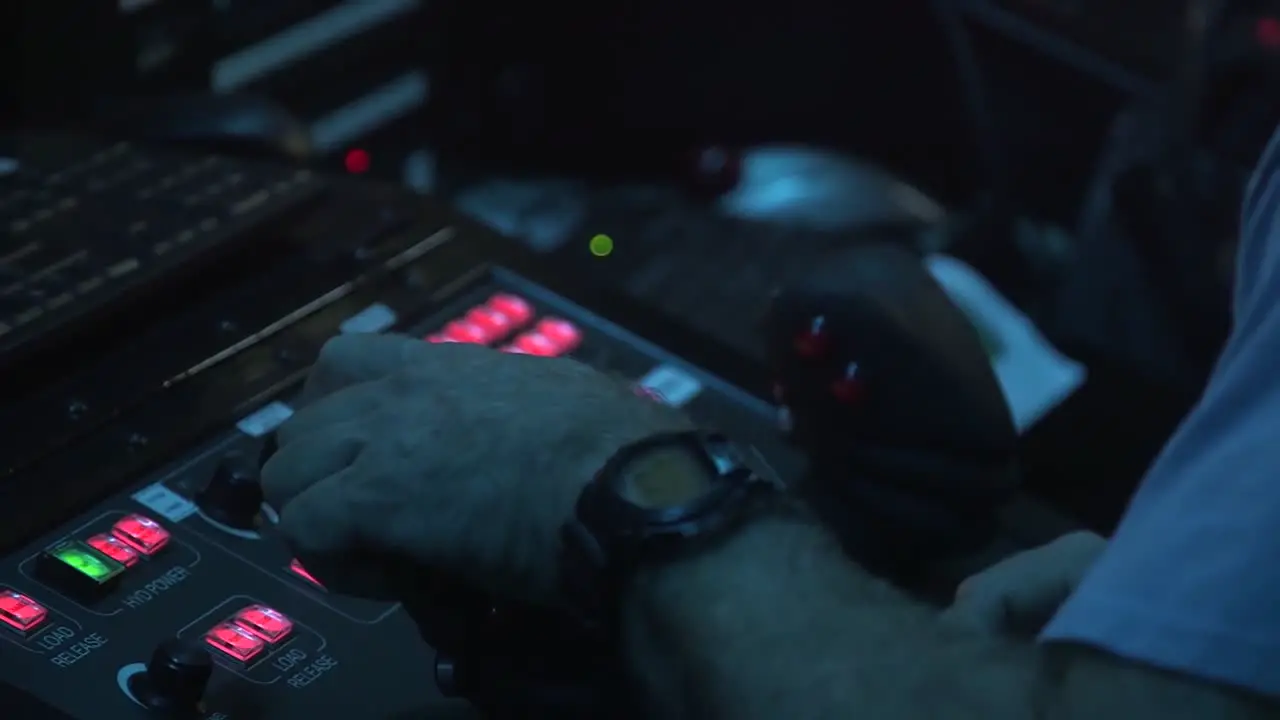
(563, 333)
(465, 332)
(268, 624)
(296, 568)
(495, 324)
(21, 612)
(532, 343)
(235, 641)
(357, 161)
(142, 534)
(516, 308)
(114, 548)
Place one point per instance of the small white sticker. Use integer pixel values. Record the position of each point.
(265, 420)
(670, 385)
(164, 502)
(373, 319)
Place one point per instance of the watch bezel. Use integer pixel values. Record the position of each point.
(610, 537)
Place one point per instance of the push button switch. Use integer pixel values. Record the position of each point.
(517, 309)
(464, 332)
(79, 570)
(235, 642)
(532, 343)
(495, 324)
(141, 533)
(270, 625)
(563, 333)
(114, 548)
(20, 612)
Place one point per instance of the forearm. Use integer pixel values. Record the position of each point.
(776, 623)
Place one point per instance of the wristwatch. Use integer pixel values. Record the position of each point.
(654, 501)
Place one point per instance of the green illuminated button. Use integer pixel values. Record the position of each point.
(78, 569)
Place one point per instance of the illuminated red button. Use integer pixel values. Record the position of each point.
(114, 548)
(532, 343)
(296, 568)
(21, 612)
(231, 639)
(561, 332)
(516, 308)
(268, 624)
(465, 332)
(497, 325)
(142, 534)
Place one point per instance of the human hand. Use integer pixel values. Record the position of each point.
(1019, 594)
(456, 458)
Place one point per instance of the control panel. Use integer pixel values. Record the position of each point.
(176, 595)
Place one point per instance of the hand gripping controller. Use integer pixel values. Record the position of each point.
(892, 396)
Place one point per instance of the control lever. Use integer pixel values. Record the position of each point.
(175, 680)
(892, 396)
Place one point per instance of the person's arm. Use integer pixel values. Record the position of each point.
(776, 623)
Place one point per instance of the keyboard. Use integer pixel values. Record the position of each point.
(85, 227)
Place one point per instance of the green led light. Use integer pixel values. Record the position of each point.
(87, 561)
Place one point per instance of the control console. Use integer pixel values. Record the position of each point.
(142, 574)
(175, 595)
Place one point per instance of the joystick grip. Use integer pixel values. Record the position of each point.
(893, 399)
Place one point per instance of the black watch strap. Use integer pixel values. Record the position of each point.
(610, 538)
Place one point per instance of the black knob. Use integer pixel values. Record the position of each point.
(175, 680)
(233, 496)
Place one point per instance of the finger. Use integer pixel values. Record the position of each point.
(352, 403)
(348, 360)
(1020, 593)
(309, 460)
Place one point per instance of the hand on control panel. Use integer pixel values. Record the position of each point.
(440, 475)
(886, 386)
(455, 457)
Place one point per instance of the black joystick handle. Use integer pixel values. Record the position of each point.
(176, 679)
(891, 394)
(233, 496)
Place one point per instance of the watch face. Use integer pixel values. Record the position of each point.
(666, 477)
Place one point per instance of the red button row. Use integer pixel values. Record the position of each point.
(504, 314)
(131, 538)
(249, 632)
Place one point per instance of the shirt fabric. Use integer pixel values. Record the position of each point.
(1191, 580)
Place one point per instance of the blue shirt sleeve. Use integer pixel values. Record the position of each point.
(1191, 579)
